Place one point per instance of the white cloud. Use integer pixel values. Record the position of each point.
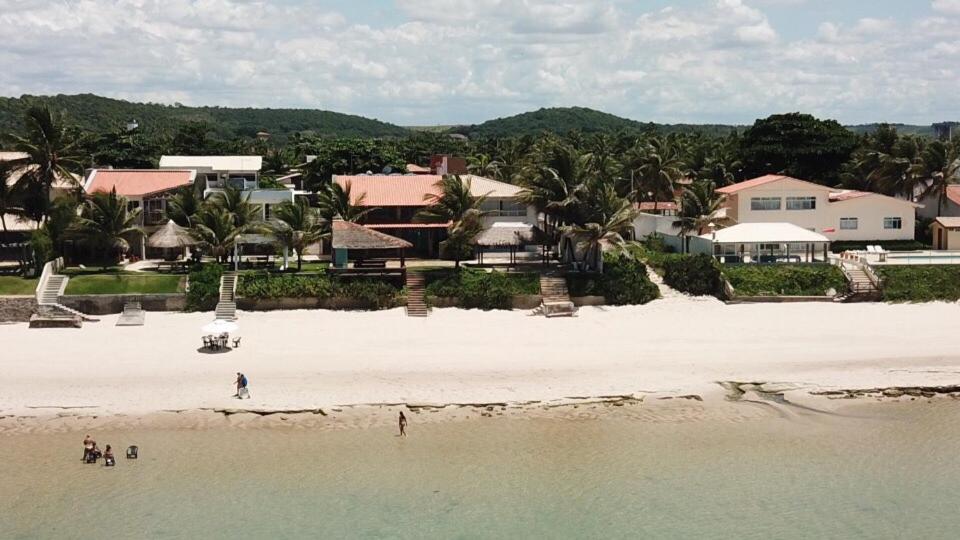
(447, 61)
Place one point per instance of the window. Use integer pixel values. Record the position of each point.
(849, 223)
(892, 223)
(765, 203)
(801, 203)
(504, 208)
(769, 247)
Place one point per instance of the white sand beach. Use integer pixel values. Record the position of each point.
(322, 359)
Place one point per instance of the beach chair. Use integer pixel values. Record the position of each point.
(206, 342)
(236, 343)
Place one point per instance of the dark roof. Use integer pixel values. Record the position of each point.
(348, 235)
(509, 235)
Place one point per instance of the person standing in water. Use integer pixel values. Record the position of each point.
(403, 425)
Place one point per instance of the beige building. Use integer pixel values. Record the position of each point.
(840, 215)
(946, 233)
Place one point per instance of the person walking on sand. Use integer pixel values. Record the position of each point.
(88, 445)
(403, 425)
(241, 386)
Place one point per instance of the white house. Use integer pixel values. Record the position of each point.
(840, 215)
(215, 173)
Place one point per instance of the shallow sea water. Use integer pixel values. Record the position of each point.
(878, 471)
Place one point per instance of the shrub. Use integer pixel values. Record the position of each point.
(624, 282)
(784, 279)
(692, 274)
(266, 285)
(481, 290)
(920, 283)
(204, 289)
(42, 247)
(374, 293)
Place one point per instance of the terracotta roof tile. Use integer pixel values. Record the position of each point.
(413, 189)
(953, 194)
(137, 183)
(747, 184)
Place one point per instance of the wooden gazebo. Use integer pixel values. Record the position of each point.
(508, 235)
(349, 237)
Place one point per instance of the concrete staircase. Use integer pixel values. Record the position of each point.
(416, 295)
(862, 288)
(227, 305)
(555, 297)
(48, 300)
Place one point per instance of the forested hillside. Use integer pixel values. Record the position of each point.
(100, 114)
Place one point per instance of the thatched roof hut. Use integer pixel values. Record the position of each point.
(509, 234)
(171, 236)
(347, 235)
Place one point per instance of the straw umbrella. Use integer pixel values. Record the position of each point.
(171, 236)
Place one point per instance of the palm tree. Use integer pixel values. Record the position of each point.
(338, 201)
(483, 165)
(700, 205)
(553, 184)
(53, 154)
(106, 224)
(610, 221)
(940, 162)
(9, 197)
(183, 206)
(298, 226)
(657, 167)
(458, 206)
(236, 204)
(216, 231)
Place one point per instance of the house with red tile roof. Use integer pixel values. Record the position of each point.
(840, 215)
(144, 189)
(395, 200)
(950, 207)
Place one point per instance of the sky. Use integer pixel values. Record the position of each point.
(429, 62)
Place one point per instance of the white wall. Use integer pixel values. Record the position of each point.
(870, 211)
(646, 224)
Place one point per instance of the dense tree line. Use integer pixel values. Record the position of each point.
(588, 183)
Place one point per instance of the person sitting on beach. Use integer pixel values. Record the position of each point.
(403, 425)
(108, 459)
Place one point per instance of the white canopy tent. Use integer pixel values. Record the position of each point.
(768, 242)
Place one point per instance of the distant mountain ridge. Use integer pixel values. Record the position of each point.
(101, 114)
(96, 113)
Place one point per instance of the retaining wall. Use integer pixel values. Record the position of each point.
(17, 308)
(106, 304)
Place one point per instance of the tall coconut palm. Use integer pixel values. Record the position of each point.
(183, 206)
(940, 163)
(236, 204)
(484, 165)
(54, 153)
(454, 200)
(106, 224)
(700, 205)
(216, 231)
(553, 184)
(9, 197)
(457, 205)
(657, 169)
(338, 201)
(610, 221)
(297, 226)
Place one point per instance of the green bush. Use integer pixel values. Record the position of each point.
(204, 283)
(42, 247)
(624, 282)
(784, 279)
(656, 259)
(479, 289)
(374, 293)
(266, 285)
(692, 274)
(920, 283)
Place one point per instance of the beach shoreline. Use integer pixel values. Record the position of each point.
(315, 363)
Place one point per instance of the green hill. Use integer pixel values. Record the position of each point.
(102, 114)
(564, 119)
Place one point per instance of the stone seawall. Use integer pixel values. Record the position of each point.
(17, 308)
(106, 304)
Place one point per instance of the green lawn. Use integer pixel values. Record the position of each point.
(15, 285)
(124, 283)
(784, 279)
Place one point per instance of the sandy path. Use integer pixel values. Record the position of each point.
(303, 359)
